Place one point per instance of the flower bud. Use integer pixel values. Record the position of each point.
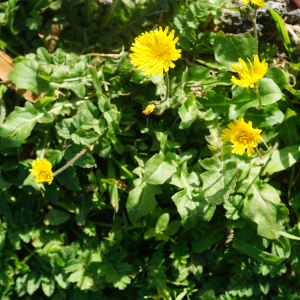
(244, 10)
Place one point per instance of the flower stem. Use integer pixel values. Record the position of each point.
(267, 147)
(45, 143)
(258, 152)
(255, 31)
(70, 162)
(167, 85)
(259, 98)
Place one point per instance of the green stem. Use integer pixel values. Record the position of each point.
(167, 85)
(259, 98)
(29, 256)
(255, 31)
(131, 176)
(45, 142)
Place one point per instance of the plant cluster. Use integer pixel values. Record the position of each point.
(145, 154)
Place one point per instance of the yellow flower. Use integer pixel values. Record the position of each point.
(149, 109)
(42, 170)
(242, 136)
(248, 78)
(155, 52)
(255, 3)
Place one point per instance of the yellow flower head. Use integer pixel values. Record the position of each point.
(249, 77)
(149, 109)
(255, 3)
(155, 52)
(42, 170)
(242, 136)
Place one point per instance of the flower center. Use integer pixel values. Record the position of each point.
(243, 137)
(44, 174)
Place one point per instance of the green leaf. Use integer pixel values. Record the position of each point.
(213, 235)
(25, 75)
(288, 129)
(48, 284)
(162, 222)
(278, 76)
(83, 208)
(159, 168)
(256, 253)
(264, 208)
(141, 201)
(182, 178)
(31, 181)
(33, 282)
(188, 112)
(19, 124)
(21, 285)
(197, 73)
(282, 33)
(62, 280)
(228, 48)
(35, 21)
(112, 117)
(43, 55)
(3, 89)
(113, 189)
(244, 98)
(193, 210)
(76, 86)
(59, 57)
(57, 217)
(159, 236)
(173, 227)
(281, 160)
(234, 206)
(103, 101)
(69, 179)
(214, 139)
(117, 275)
(265, 117)
(208, 295)
(220, 183)
(77, 276)
(54, 156)
(218, 103)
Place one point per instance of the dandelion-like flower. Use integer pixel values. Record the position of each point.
(255, 3)
(242, 136)
(149, 109)
(42, 169)
(154, 51)
(249, 77)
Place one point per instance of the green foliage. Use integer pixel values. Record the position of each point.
(147, 207)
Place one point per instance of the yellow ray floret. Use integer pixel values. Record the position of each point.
(42, 169)
(255, 3)
(249, 76)
(242, 136)
(154, 51)
(149, 109)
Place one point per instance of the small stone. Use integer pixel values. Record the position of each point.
(293, 16)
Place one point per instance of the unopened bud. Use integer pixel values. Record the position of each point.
(244, 10)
